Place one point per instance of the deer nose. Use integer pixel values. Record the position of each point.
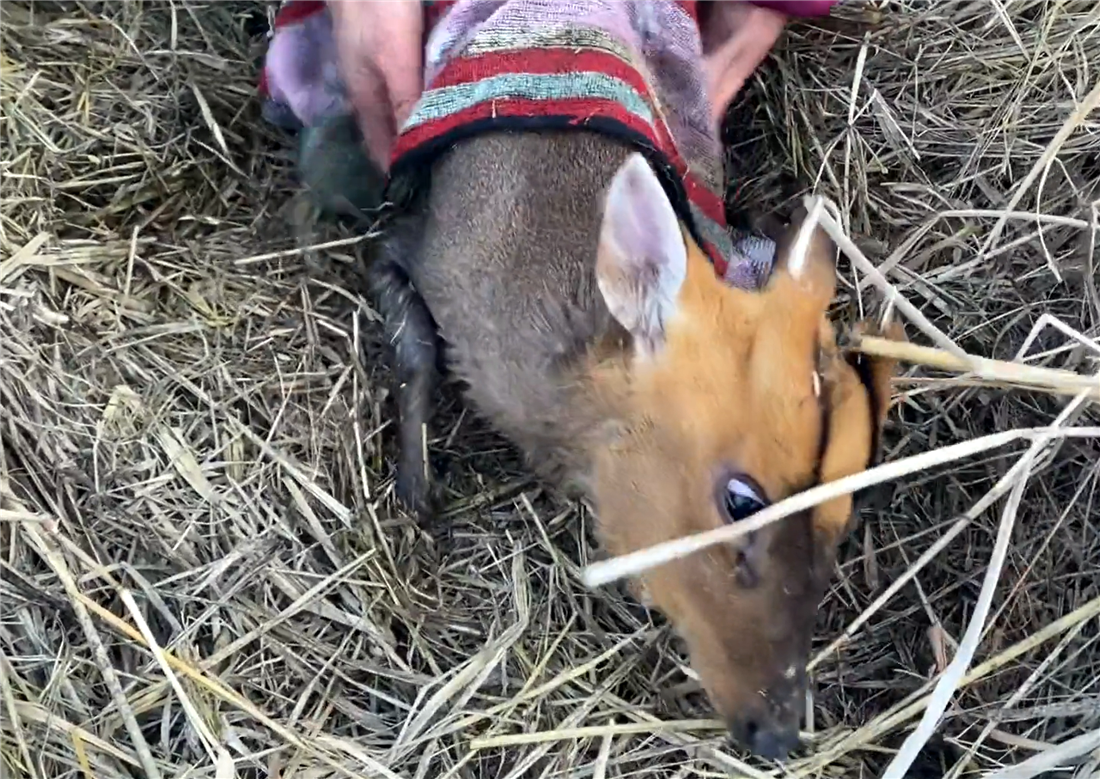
(764, 736)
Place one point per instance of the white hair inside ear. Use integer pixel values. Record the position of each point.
(641, 260)
(796, 262)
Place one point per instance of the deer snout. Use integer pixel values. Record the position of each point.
(769, 728)
(765, 734)
(770, 740)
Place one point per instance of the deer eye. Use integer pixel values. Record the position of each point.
(741, 500)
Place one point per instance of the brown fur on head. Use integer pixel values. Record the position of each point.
(727, 390)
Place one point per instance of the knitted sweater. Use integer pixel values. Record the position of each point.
(631, 70)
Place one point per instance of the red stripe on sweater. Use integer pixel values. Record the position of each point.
(710, 204)
(703, 198)
(577, 108)
(707, 201)
(568, 60)
(295, 11)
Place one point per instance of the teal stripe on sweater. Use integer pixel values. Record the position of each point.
(440, 103)
(711, 230)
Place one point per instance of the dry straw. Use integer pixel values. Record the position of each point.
(202, 572)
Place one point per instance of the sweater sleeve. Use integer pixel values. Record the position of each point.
(798, 7)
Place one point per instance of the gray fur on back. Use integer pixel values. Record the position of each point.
(506, 266)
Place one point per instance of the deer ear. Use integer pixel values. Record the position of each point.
(876, 373)
(869, 397)
(641, 261)
(808, 256)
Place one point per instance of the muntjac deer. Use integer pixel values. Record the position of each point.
(560, 239)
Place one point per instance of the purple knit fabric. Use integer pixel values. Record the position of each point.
(303, 72)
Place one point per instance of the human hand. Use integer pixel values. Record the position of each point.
(379, 45)
(736, 38)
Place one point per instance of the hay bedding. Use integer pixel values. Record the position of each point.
(203, 573)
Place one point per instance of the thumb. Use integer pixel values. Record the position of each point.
(379, 46)
(400, 57)
(724, 78)
(371, 101)
(730, 64)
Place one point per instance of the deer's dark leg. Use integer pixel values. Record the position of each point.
(412, 334)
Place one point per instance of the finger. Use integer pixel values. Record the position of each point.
(375, 113)
(400, 57)
(379, 45)
(718, 20)
(370, 102)
(730, 65)
(365, 87)
(725, 87)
